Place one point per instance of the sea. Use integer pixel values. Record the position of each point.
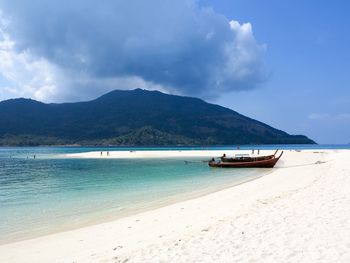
(51, 193)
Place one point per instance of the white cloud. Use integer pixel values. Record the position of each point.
(329, 117)
(343, 117)
(318, 116)
(79, 49)
(22, 75)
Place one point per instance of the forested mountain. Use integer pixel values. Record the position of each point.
(133, 117)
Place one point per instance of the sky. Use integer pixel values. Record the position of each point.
(283, 62)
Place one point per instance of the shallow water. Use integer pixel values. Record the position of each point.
(49, 193)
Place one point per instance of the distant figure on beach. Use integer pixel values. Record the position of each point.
(258, 151)
(101, 153)
(107, 153)
(252, 151)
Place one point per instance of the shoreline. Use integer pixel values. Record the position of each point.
(163, 154)
(105, 217)
(196, 222)
(135, 211)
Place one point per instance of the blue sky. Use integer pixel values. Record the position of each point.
(308, 90)
(285, 63)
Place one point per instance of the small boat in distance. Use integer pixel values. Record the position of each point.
(267, 161)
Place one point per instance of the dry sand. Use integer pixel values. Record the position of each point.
(154, 154)
(298, 213)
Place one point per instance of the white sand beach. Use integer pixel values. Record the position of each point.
(157, 154)
(300, 212)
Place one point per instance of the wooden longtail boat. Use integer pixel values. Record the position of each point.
(268, 161)
(248, 158)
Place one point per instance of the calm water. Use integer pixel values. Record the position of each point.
(50, 193)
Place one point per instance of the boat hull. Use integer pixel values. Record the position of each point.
(267, 163)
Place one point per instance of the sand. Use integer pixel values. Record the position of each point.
(300, 212)
(154, 154)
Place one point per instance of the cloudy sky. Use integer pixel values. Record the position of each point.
(285, 63)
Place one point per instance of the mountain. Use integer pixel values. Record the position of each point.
(133, 117)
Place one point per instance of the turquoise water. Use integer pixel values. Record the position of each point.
(50, 193)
